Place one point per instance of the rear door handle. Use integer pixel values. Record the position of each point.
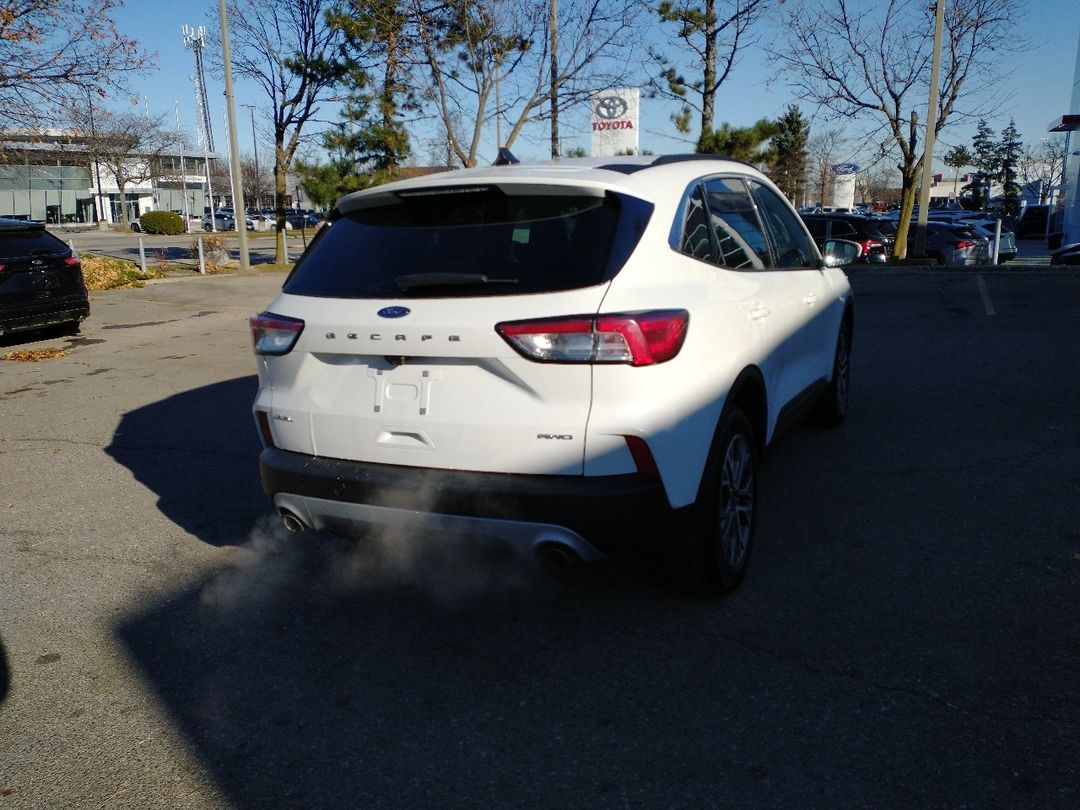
(759, 312)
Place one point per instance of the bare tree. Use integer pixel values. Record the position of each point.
(1044, 163)
(53, 53)
(288, 48)
(490, 60)
(823, 151)
(129, 147)
(871, 61)
(712, 33)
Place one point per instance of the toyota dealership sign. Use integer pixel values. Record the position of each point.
(615, 121)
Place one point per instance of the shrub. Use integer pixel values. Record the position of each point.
(166, 222)
(215, 253)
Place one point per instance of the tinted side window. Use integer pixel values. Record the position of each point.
(740, 239)
(842, 229)
(696, 238)
(816, 228)
(793, 247)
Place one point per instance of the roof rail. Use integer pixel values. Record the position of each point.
(666, 159)
(505, 158)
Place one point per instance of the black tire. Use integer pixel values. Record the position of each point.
(832, 407)
(207, 227)
(710, 553)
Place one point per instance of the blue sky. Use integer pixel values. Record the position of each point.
(1037, 85)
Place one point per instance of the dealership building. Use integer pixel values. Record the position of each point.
(51, 177)
(1068, 201)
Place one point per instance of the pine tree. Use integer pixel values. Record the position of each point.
(749, 144)
(987, 163)
(788, 165)
(1009, 152)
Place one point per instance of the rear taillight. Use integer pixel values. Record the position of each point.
(636, 338)
(962, 244)
(274, 334)
(72, 261)
(869, 244)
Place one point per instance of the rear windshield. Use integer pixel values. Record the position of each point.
(881, 227)
(472, 241)
(21, 242)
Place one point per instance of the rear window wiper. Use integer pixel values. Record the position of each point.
(414, 281)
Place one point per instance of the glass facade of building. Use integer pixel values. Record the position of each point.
(57, 187)
(51, 193)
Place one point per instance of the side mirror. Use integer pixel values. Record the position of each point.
(839, 252)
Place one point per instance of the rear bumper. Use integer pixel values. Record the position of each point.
(37, 315)
(596, 515)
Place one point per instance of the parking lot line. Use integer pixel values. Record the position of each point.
(985, 295)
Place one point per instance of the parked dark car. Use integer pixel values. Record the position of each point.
(874, 236)
(1032, 223)
(41, 282)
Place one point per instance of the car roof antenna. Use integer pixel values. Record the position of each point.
(506, 157)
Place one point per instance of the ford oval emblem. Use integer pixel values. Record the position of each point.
(393, 312)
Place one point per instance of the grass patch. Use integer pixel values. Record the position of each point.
(272, 268)
(104, 273)
(33, 355)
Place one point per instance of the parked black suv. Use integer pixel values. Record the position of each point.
(876, 236)
(41, 282)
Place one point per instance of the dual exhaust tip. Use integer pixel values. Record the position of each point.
(554, 554)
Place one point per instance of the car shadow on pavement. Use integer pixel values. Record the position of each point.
(198, 452)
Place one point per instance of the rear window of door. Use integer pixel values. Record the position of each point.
(740, 238)
(790, 240)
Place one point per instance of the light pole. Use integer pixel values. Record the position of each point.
(931, 126)
(234, 144)
(255, 146)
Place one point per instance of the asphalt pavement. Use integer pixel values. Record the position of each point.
(907, 636)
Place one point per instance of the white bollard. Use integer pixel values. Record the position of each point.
(142, 256)
(202, 258)
(997, 242)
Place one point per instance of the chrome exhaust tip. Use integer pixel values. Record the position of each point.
(557, 556)
(292, 522)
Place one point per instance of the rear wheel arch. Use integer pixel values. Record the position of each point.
(748, 395)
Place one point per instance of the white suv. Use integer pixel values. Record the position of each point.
(575, 358)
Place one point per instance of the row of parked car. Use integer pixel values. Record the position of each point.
(225, 220)
(952, 237)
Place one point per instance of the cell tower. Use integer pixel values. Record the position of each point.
(196, 40)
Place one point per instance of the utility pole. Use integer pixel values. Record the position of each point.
(99, 207)
(553, 35)
(255, 146)
(928, 141)
(196, 40)
(234, 145)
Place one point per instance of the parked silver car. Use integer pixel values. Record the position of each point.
(950, 244)
(986, 228)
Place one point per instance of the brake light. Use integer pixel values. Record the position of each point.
(635, 338)
(72, 261)
(868, 244)
(274, 334)
(962, 244)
